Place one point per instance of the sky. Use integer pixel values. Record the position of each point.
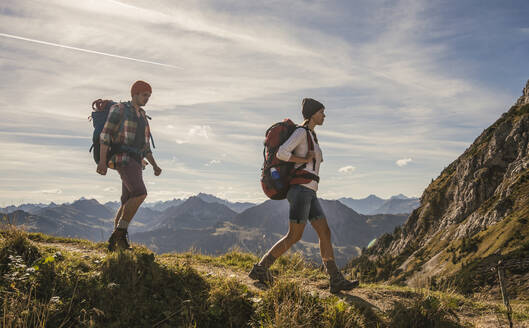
(407, 85)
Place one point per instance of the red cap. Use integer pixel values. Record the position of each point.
(139, 87)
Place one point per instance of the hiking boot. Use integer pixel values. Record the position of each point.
(339, 283)
(122, 241)
(261, 273)
(118, 240)
(112, 241)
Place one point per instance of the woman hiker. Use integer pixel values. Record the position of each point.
(304, 205)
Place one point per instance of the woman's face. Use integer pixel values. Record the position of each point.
(319, 116)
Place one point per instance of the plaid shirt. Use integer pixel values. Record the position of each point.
(120, 128)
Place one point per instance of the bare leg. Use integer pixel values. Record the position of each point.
(118, 216)
(294, 234)
(260, 271)
(131, 206)
(324, 234)
(336, 280)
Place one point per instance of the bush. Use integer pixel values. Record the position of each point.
(285, 305)
(229, 305)
(425, 311)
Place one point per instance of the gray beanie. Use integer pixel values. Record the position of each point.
(310, 107)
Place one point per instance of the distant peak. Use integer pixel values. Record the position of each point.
(194, 200)
(83, 200)
(208, 198)
(399, 196)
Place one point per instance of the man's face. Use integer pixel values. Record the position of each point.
(142, 98)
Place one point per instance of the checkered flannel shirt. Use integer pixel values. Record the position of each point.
(120, 128)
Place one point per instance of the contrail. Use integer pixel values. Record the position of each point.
(87, 50)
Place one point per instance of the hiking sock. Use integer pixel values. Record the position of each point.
(331, 268)
(122, 224)
(267, 260)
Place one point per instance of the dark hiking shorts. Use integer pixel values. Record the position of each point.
(131, 181)
(304, 205)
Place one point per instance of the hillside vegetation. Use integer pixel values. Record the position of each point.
(58, 282)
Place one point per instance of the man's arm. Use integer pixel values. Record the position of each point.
(102, 165)
(156, 168)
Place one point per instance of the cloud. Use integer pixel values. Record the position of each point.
(201, 131)
(110, 189)
(213, 162)
(403, 162)
(524, 30)
(347, 169)
(54, 191)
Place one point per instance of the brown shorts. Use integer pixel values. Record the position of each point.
(131, 181)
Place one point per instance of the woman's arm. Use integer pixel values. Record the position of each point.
(297, 159)
(284, 152)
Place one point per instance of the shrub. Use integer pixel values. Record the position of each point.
(425, 311)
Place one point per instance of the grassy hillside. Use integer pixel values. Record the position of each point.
(57, 282)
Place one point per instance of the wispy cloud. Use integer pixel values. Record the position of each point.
(347, 169)
(200, 131)
(54, 191)
(84, 50)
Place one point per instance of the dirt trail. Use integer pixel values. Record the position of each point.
(380, 299)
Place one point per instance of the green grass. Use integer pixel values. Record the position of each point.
(286, 305)
(40, 237)
(137, 289)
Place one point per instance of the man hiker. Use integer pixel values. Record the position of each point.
(127, 135)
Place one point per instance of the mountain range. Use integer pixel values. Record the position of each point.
(208, 224)
(399, 204)
(213, 228)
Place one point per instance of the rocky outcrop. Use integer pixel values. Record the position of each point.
(524, 99)
(476, 191)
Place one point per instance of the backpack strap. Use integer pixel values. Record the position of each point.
(150, 133)
(310, 143)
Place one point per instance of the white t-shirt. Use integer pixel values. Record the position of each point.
(297, 145)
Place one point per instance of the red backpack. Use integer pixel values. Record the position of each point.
(278, 175)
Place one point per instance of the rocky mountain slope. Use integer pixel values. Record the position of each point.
(475, 212)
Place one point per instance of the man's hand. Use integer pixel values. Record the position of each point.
(157, 170)
(102, 168)
(310, 156)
